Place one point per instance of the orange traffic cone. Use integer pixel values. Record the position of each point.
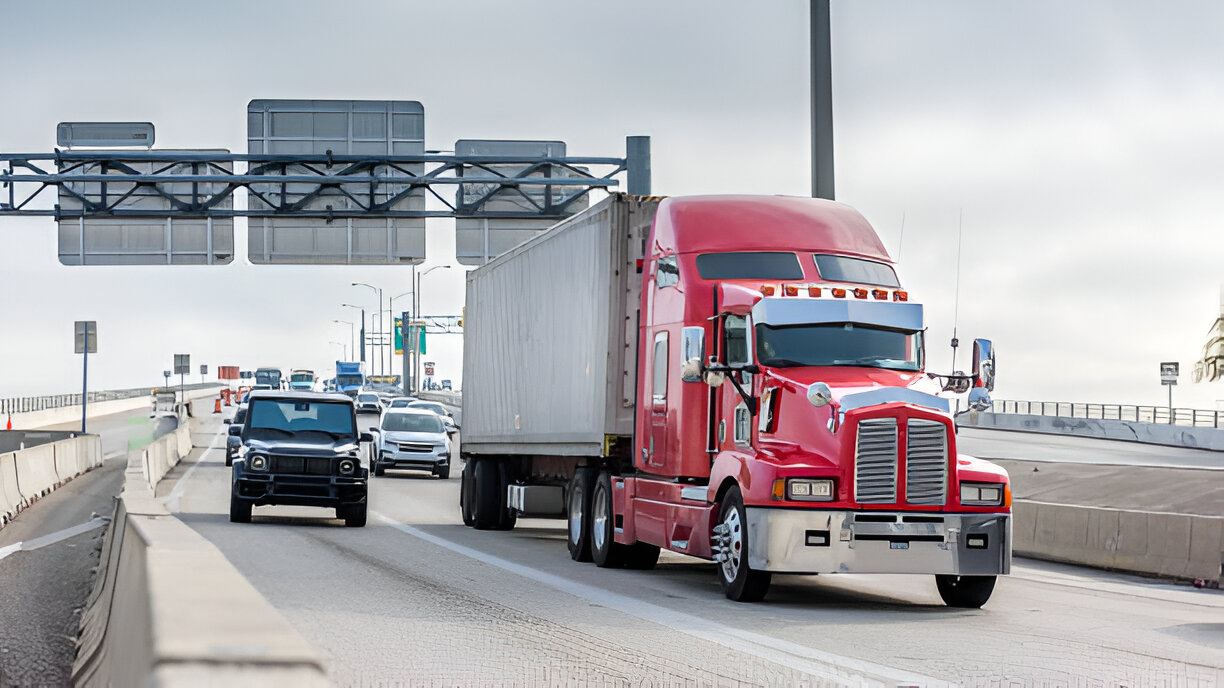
(217, 406)
(9, 425)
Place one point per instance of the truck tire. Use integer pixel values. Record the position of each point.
(240, 510)
(578, 513)
(354, 515)
(606, 552)
(443, 473)
(485, 503)
(739, 581)
(967, 592)
(642, 556)
(506, 517)
(466, 498)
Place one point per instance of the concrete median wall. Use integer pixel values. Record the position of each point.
(1147, 433)
(168, 609)
(1172, 545)
(69, 414)
(30, 474)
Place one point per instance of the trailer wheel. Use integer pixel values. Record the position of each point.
(467, 500)
(484, 492)
(506, 517)
(739, 581)
(578, 513)
(968, 592)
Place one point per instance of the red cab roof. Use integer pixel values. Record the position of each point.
(714, 224)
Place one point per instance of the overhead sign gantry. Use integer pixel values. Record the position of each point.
(324, 182)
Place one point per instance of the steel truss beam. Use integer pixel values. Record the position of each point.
(373, 185)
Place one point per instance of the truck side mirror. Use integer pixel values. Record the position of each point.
(233, 442)
(715, 379)
(366, 437)
(235, 430)
(692, 351)
(984, 363)
(819, 394)
(979, 400)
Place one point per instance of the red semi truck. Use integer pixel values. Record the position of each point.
(735, 378)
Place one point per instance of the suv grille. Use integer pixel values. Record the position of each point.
(926, 462)
(415, 447)
(875, 461)
(301, 465)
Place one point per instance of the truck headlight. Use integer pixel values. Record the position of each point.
(804, 489)
(258, 462)
(982, 494)
(347, 467)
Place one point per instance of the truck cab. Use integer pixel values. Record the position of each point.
(786, 391)
(302, 380)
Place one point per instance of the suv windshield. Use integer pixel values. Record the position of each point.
(367, 397)
(842, 344)
(429, 406)
(412, 422)
(289, 416)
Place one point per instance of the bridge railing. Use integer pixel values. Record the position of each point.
(54, 401)
(1199, 418)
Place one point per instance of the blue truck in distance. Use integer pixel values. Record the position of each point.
(350, 377)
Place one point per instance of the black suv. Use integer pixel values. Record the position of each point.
(303, 449)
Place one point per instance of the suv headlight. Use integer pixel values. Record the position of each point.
(347, 466)
(804, 489)
(257, 462)
(981, 494)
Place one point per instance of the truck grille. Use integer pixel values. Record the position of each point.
(875, 461)
(301, 465)
(926, 462)
(415, 447)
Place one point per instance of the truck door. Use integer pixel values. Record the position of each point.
(657, 454)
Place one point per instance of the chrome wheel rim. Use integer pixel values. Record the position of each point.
(575, 516)
(599, 511)
(735, 545)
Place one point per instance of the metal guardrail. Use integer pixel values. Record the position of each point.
(1198, 418)
(54, 401)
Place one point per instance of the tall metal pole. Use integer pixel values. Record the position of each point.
(405, 330)
(85, 379)
(363, 339)
(822, 101)
(416, 313)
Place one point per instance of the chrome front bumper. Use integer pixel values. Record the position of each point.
(819, 541)
(408, 459)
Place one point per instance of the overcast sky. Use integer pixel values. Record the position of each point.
(1080, 142)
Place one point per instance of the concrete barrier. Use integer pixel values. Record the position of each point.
(168, 609)
(36, 472)
(1182, 546)
(67, 463)
(1147, 433)
(11, 500)
(69, 414)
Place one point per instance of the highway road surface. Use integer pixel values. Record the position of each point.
(417, 595)
(1032, 446)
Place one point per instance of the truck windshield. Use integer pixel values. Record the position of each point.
(288, 416)
(843, 344)
(347, 380)
(302, 377)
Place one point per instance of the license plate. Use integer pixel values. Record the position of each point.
(898, 545)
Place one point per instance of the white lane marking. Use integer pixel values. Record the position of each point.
(825, 665)
(172, 501)
(52, 538)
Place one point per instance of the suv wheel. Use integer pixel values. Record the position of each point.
(354, 515)
(240, 510)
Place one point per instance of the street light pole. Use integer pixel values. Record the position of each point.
(351, 335)
(416, 368)
(378, 321)
(363, 329)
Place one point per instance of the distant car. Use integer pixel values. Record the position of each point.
(369, 402)
(254, 388)
(447, 418)
(412, 438)
(446, 385)
(303, 449)
(400, 402)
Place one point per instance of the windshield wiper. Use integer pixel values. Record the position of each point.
(784, 362)
(287, 432)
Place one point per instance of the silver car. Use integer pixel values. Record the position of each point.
(369, 402)
(414, 439)
(433, 406)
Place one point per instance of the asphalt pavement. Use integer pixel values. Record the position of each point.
(416, 596)
(48, 556)
(1032, 446)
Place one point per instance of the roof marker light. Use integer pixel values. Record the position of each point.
(879, 294)
(860, 293)
(790, 290)
(813, 291)
(767, 290)
(900, 296)
(838, 292)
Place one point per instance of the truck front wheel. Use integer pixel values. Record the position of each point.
(739, 581)
(968, 592)
(578, 513)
